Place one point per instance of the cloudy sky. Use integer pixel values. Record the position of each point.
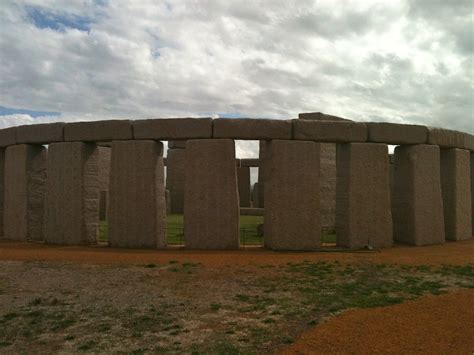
(408, 61)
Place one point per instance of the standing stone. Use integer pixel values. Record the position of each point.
(137, 211)
(262, 168)
(175, 173)
(243, 178)
(2, 190)
(211, 200)
(472, 191)
(417, 205)
(328, 186)
(72, 194)
(255, 195)
(104, 176)
(168, 202)
(363, 215)
(292, 216)
(456, 189)
(25, 178)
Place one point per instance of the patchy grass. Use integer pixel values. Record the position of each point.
(160, 308)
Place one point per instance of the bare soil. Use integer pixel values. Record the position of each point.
(98, 299)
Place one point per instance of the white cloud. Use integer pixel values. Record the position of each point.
(366, 60)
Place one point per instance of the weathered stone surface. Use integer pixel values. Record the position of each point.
(252, 128)
(472, 190)
(469, 141)
(395, 133)
(446, 138)
(252, 163)
(250, 211)
(328, 186)
(417, 205)
(211, 201)
(104, 177)
(243, 178)
(2, 189)
(25, 177)
(175, 175)
(168, 202)
(255, 195)
(173, 128)
(7, 137)
(320, 116)
(40, 133)
(137, 211)
(329, 131)
(456, 189)
(177, 144)
(98, 131)
(262, 173)
(363, 215)
(72, 194)
(292, 220)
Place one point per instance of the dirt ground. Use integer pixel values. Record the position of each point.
(99, 299)
(454, 253)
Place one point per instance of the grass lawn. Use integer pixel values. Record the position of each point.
(248, 231)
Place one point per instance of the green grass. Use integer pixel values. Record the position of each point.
(248, 231)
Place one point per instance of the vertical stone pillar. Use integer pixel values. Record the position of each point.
(456, 189)
(2, 190)
(472, 191)
(292, 194)
(25, 178)
(104, 176)
(211, 200)
(175, 173)
(168, 202)
(262, 168)
(417, 205)
(363, 216)
(72, 194)
(255, 195)
(328, 186)
(137, 211)
(243, 178)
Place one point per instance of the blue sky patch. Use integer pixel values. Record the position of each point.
(12, 111)
(58, 22)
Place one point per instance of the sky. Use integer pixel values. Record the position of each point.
(405, 61)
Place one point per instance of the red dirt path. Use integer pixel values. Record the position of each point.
(450, 253)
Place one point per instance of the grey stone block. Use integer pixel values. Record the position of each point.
(417, 205)
(137, 211)
(72, 194)
(363, 216)
(175, 176)
(173, 128)
(25, 178)
(329, 131)
(320, 116)
(252, 128)
(394, 133)
(252, 163)
(446, 138)
(168, 202)
(7, 137)
(292, 219)
(456, 189)
(250, 211)
(40, 133)
(177, 144)
(2, 189)
(243, 178)
(98, 131)
(262, 171)
(469, 141)
(255, 195)
(472, 190)
(211, 201)
(328, 186)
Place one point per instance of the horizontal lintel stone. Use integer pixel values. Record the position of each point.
(249, 163)
(395, 133)
(177, 145)
(446, 138)
(320, 116)
(7, 137)
(252, 128)
(40, 133)
(173, 128)
(330, 131)
(98, 131)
